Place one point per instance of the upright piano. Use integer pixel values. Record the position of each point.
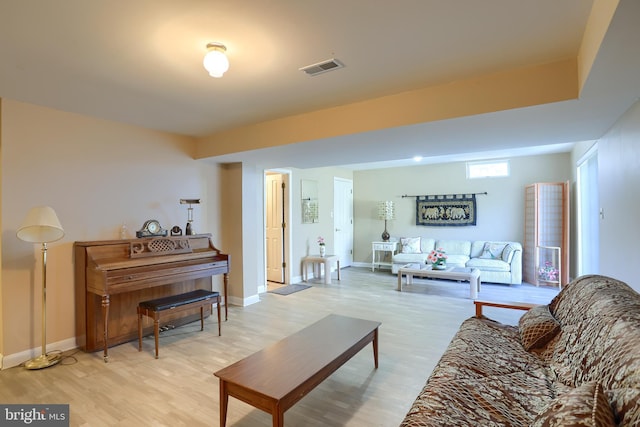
(113, 276)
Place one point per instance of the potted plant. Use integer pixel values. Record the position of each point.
(438, 259)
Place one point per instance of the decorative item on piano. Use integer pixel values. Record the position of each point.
(151, 228)
(189, 231)
(176, 231)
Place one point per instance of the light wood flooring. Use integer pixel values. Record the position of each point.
(179, 388)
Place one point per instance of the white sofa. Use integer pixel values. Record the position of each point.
(498, 262)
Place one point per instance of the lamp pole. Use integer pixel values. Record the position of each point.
(41, 226)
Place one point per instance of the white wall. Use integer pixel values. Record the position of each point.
(619, 192)
(304, 236)
(500, 213)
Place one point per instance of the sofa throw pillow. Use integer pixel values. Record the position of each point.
(507, 253)
(492, 250)
(410, 245)
(586, 405)
(537, 327)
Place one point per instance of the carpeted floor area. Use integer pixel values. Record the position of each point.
(289, 289)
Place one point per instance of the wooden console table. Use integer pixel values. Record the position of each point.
(113, 276)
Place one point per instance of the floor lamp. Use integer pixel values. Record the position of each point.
(42, 226)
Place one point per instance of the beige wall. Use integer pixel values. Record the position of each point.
(97, 175)
(500, 213)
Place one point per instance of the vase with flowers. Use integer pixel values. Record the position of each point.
(321, 245)
(548, 272)
(438, 259)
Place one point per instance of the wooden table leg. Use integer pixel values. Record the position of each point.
(278, 416)
(226, 298)
(218, 310)
(105, 319)
(375, 347)
(338, 262)
(139, 329)
(224, 403)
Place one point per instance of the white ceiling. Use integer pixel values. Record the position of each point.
(140, 62)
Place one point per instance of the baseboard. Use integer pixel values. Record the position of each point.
(368, 265)
(12, 360)
(243, 302)
(361, 264)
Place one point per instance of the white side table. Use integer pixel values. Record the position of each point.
(317, 261)
(379, 250)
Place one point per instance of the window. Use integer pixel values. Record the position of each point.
(493, 168)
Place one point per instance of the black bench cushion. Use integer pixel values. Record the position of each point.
(172, 301)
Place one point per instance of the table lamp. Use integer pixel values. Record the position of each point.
(42, 226)
(386, 211)
(189, 228)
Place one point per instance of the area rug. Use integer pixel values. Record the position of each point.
(289, 289)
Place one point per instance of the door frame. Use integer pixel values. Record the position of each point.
(582, 211)
(286, 178)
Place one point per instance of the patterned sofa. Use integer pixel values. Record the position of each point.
(573, 362)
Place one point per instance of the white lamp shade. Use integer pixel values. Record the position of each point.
(216, 63)
(386, 210)
(40, 226)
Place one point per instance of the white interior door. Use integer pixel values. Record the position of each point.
(275, 228)
(343, 220)
(588, 215)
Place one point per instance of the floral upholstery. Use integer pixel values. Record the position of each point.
(537, 327)
(582, 366)
(586, 405)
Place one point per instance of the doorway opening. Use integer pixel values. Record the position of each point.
(588, 214)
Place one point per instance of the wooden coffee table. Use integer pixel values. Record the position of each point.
(275, 378)
(471, 275)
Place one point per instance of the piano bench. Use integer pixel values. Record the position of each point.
(181, 302)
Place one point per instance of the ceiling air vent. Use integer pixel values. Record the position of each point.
(322, 67)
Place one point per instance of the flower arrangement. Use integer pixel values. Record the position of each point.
(438, 258)
(321, 245)
(548, 272)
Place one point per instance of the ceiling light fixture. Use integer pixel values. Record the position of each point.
(215, 61)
